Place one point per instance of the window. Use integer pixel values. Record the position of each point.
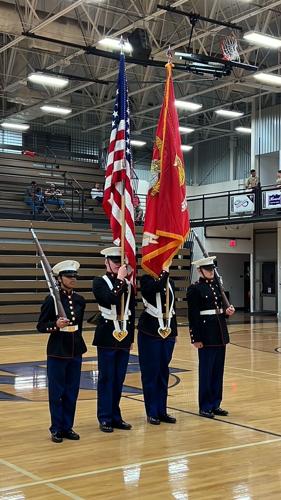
(10, 138)
(84, 150)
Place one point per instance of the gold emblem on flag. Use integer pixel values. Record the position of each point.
(164, 332)
(120, 334)
(178, 163)
(155, 168)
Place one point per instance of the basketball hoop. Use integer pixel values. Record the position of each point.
(229, 48)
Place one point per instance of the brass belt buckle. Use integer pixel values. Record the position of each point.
(164, 332)
(120, 334)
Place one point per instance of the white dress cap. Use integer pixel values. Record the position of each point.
(66, 266)
(206, 261)
(111, 252)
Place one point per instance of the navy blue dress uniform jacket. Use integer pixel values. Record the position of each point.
(149, 287)
(105, 297)
(63, 344)
(211, 330)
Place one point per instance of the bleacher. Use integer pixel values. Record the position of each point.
(75, 179)
(23, 286)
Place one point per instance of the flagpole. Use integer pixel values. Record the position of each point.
(169, 66)
(123, 204)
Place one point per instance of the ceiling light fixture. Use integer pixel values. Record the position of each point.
(184, 147)
(243, 130)
(229, 113)
(48, 80)
(186, 130)
(56, 110)
(189, 106)
(15, 126)
(263, 40)
(134, 142)
(114, 43)
(268, 78)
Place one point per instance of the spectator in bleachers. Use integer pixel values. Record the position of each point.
(53, 196)
(97, 193)
(34, 198)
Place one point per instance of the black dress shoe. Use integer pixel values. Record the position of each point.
(56, 437)
(206, 414)
(122, 425)
(105, 427)
(220, 412)
(153, 421)
(71, 435)
(168, 419)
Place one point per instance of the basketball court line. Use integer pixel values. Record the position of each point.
(244, 426)
(36, 479)
(227, 367)
(49, 482)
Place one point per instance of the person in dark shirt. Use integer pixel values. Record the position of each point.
(34, 198)
(209, 334)
(113, 337)
(156, 341)
(64, 351)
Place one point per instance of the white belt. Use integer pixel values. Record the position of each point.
(208, 312)
(69, 328)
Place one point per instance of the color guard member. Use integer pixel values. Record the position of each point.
(64, 351)
(209, 334)
(113, 338)
(156, 341)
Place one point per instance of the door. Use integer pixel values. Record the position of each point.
(268, 291)
(247, 286)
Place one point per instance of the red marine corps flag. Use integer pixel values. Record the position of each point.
(118, 188)
(166, 223)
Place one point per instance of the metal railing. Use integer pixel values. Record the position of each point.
(246, 205)
(243, 204)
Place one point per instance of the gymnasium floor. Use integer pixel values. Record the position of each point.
(237, 457)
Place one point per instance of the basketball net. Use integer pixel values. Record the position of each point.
(229, 48)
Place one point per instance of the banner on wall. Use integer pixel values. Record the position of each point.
(271, 199)
(242, 203)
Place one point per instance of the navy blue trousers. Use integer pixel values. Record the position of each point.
(63, 386)
(211, 368)
(112, 366)
(154, 358)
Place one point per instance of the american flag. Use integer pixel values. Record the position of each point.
(118, 172)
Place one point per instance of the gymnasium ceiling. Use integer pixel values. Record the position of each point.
(85, 22)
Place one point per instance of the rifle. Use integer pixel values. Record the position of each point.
(52, 284)
(225, 300)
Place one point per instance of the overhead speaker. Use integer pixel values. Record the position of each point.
(140, 42)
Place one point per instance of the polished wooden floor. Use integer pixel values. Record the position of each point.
(237, 457)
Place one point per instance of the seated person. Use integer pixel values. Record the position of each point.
(34, 197)
(53, 196)
(97, 194)
(138, 210)
(252, 181)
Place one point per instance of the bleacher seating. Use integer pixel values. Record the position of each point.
(23, 286)
(75, 179)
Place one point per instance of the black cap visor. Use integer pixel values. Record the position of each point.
(210, 267)
(114, 258)
(69, 274)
